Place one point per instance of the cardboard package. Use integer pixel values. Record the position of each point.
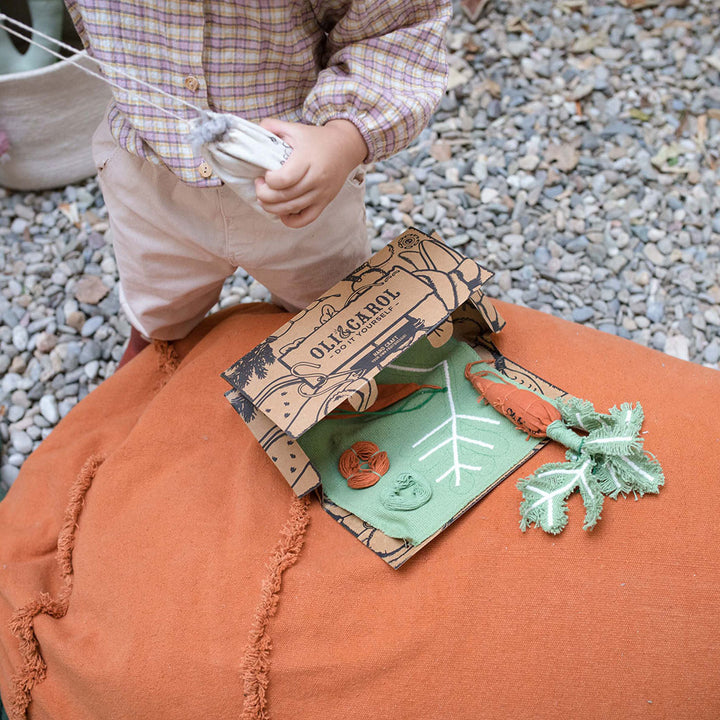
(414, 288)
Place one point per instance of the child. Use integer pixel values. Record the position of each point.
(343, 82)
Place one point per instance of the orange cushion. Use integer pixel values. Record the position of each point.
(168, 599)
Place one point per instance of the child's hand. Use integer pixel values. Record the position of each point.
(321, 160)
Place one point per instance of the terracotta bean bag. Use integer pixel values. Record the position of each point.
(154, 564)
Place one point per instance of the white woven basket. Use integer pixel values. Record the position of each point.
(49, 116)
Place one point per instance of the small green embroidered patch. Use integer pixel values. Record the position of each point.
(408, 492)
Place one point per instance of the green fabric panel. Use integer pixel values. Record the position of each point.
(452, 444)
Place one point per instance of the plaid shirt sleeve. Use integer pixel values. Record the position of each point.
(385, 70)
(74, 12)
(379, 63)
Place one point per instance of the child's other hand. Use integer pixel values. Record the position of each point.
(321, 160)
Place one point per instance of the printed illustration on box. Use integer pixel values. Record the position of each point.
(331, 352)
(364, 398)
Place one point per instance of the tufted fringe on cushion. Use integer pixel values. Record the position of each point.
(168, 359)
(34, 669)
(256, 662)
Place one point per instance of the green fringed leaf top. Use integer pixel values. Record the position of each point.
(605, 457)
(577, 413)
(546, 492)
(636, 473)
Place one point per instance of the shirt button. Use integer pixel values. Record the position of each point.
(192, 83)
(204, 169)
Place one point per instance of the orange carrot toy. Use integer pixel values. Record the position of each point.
(605, 454)
(525, 409)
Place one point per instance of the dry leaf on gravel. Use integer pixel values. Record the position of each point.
(639, 4)
(641, 115)
(587, 43)
(571, 6)
(70, 211)
(702, 133)
(713, 61)
(490, 86)
(667, 159)
(517, 25)
(474, 8)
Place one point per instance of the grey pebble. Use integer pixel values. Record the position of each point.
(16, 459)
(91, 369)
(659, 339)
(699, 322)
(21, 441)
(577, 244)
(608, 328)
(712, 316)
(618, 127)
(65, 406)
(91, 325)
(18, 226)
(49, 409)
(258, 292)
(691, 68)
(678, 346)
(90, 350)
(654, 255)
(34, 432)
(494, 109)
(711, 353)
(23, 211)
(655, 311)
(20, 337)
(582, 314)
(15, 413)
(68, 390)
(8, 474)
(20, 399)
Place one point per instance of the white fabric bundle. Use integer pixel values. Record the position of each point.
(238, 151)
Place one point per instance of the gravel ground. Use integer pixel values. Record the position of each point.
(576, 154)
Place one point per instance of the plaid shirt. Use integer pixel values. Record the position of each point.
(379, 63)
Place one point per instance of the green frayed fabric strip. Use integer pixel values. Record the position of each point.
(605, 459)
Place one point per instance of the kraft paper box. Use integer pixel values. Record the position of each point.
(414, 288)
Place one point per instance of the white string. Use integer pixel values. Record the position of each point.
(73, 60)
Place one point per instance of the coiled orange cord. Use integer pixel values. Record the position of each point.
(363, 464)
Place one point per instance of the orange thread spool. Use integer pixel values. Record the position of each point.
(363, 464)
